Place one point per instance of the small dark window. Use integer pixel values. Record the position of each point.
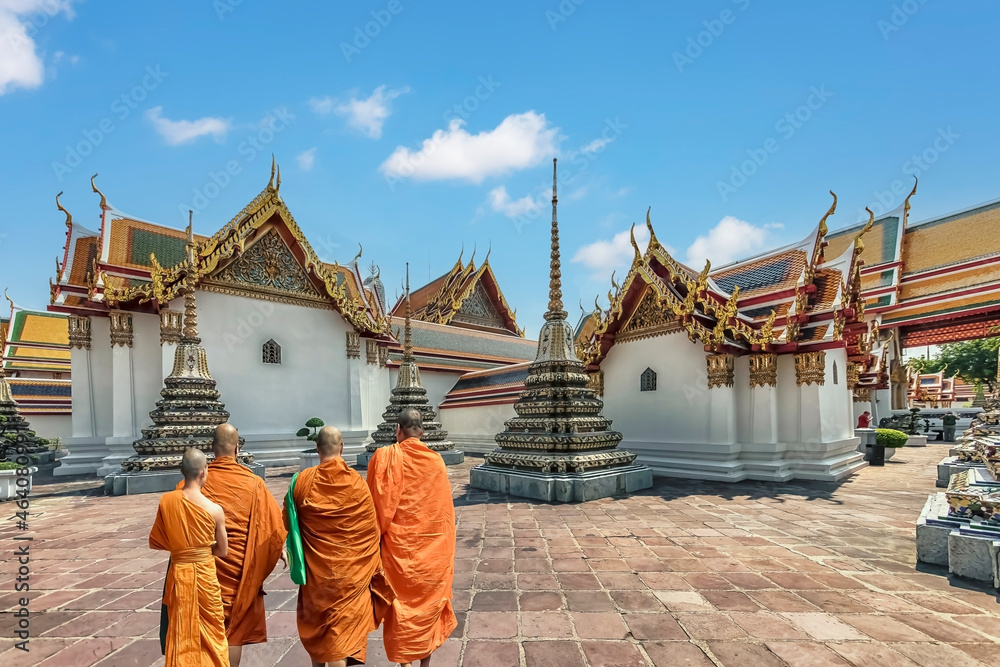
(647, 381)
(835, 372)
(270, 352)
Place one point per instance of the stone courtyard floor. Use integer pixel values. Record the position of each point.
(687, 573)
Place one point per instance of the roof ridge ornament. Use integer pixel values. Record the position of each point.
(69, 218)
(104, 200)
(859, 245)
(361, 250)
(270, 182)
(635, 246)
(653, 241)
(555, 311)
(906, 202)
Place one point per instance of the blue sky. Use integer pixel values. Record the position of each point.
(646, 103)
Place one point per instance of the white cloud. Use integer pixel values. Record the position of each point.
(321, 105)
(182, 131)
(20, 20)
(59, 56)
(730, 240)
(306, 159)
(501, 202)
(520, 141)
(602, 257)
(368, 115)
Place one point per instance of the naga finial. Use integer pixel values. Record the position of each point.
(486, 259)
(270, 182)
(906, 202)
(93, 186)
(69, 218)
(822, 223)
(277, 183)
(859, 245)
(361, 249)
(649, 226)
(635, 246)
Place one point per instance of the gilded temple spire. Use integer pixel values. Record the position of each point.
(190, 333)
(407, 333)
(555, 311)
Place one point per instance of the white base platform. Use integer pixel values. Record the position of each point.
(83, 458)
(735, 462)
(950, 465)
(968, 548)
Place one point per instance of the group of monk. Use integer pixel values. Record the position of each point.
(376, 552)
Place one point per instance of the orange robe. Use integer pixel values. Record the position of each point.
(196, 634)
(340, 543)
(256, 536)
(416, 516)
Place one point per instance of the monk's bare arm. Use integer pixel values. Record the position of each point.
(221, 547)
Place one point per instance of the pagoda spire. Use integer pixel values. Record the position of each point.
(407, 333)
(555, 311)
(190, 332)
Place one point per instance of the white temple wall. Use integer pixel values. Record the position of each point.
(679, 411)
(473, 429)
(146, 367)
(51, 426)
(100, 368)
(84, 420)
(437, 384)
(268, 403)
(836, 399)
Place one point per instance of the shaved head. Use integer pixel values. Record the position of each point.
(226, 440)
(193, 463)
(409, 424)
(329, 442)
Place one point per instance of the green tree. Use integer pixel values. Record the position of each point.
(922, 364)
(315, 424)
(975, 361)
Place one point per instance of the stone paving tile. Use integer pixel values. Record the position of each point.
(686, 573)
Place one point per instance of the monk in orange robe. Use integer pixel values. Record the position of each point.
(193, 529)
(340, 537)
(416, 516)
(256, 541)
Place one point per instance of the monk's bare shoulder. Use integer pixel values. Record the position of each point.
(216, 510)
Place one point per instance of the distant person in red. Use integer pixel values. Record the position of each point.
(865, 420)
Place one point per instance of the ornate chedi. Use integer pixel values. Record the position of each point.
(185, 417)
(559, 447)
(409, 394)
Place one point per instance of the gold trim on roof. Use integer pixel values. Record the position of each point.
(230, 241)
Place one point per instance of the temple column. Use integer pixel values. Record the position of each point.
(86, 450)
(763, 456)
(722, 399)
(122, 394)
(357, 371)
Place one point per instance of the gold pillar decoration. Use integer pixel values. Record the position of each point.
(171, 324)
(720, 370)
(383, 356)
(853, 375)
(862, 394)
(353, 345)
(79, 332)
(596, 382)
(763, 370)
(810, 367)
(371, 351)
(121, 328)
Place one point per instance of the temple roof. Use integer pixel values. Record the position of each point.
(450, 348)
(466, 296)
(36, 341)
(137, 264)
(494, 386)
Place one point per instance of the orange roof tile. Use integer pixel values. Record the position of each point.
(954, 238)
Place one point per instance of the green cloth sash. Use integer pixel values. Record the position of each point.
(296, 557)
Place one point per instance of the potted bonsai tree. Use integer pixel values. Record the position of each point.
(885, 437)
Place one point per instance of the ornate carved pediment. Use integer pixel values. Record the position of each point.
(649, 319)
(267, 267)
(478, 309)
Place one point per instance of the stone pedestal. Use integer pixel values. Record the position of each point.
(916, 441)
(450, 457)
(86, 456)
(950, 465)
(562, 487)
